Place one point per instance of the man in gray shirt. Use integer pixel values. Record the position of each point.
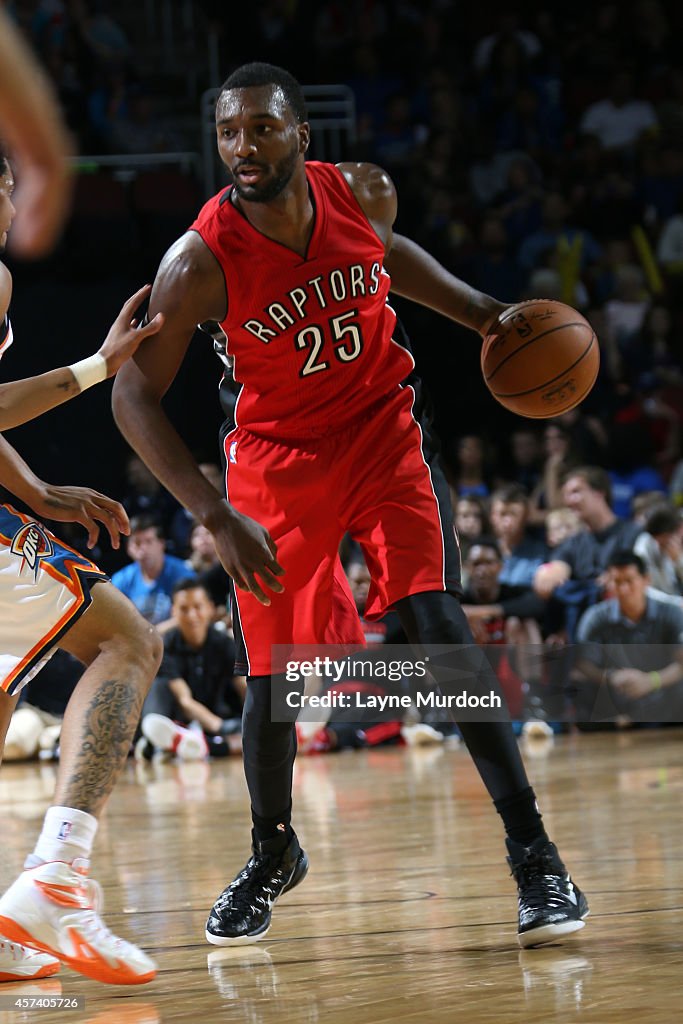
(631, 649)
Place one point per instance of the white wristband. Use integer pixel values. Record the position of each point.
(90, 371)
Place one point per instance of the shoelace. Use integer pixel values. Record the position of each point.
(538, 875)
(17, 951)
(93, 928)
(239, 894)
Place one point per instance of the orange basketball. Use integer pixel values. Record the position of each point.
(540, 358)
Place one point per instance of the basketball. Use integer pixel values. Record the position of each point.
(540, 359)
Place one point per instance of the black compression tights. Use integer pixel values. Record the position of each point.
(431, 618)
(268, 750)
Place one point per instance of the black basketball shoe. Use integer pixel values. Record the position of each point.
(550, 905)
(242, 912)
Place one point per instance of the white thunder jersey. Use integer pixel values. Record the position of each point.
(44, 587)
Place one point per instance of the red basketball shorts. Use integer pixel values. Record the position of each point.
(377, 481)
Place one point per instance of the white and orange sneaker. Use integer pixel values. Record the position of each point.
(165, 734)
(53, 907)
(17, 963)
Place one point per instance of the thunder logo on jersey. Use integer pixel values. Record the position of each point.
(31, 543)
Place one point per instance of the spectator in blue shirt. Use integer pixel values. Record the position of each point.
(152, 574)
(522, 553)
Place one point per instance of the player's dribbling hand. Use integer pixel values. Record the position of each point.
(247, 550)
(82, 505)
(125, 334)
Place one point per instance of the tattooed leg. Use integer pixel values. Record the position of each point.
(122, 653)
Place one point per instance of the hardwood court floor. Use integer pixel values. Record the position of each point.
(408, 912)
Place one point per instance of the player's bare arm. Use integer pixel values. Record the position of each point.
(414, 273)
(189, 289)
(32, 124)
(24, 400)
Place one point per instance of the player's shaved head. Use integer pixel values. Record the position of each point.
(257, 74)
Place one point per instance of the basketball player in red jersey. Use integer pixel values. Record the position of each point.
(295, 261)
(51, 596)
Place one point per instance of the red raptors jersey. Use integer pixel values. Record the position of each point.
(311, 336)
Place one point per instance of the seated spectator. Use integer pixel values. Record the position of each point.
(206, 564)
(625, 313)
(660, 547)
(620, 119)
(645, 503)
(388, 629)
(522, 553)
(587, 433)
(470, 473)
(574, 575)
(493, 268)
(527, 458)
(35, 726)
(556, 233)
(471, 518)
(560, 525)
(507, 27)
(631, 650)
(629, 457)
(195, 684)
(670, 245)
(149, 579)
(489, 602)
(520, 205)
(501, 614)
(644, 429)
(560, 455)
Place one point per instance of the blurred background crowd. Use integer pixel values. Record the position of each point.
(536, 153)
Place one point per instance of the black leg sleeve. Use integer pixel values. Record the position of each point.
(269, 749)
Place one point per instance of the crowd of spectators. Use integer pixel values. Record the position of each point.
(538, 152)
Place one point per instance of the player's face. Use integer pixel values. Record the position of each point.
(7, 210)
(193, 611)
(259, 141)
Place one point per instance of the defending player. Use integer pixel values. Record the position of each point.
(45, 589)
(293, 261)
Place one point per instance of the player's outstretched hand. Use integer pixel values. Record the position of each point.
(247, 550)
(84, 506)
(125, 335)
